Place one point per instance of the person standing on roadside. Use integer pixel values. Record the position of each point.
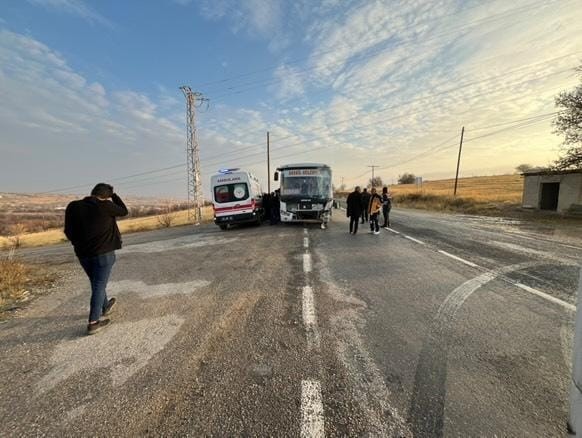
(354, 209)
(365, 205)
(386, 207)
(374, 208)
(90, 225)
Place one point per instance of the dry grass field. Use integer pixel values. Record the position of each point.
(498, 189)
(485, 195)
(131, 225)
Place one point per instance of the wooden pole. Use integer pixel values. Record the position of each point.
(459, 161)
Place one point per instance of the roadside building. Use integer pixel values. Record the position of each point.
(553, 190)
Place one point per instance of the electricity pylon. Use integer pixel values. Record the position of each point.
(195, 196)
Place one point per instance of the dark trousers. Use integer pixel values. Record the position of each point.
(374, 226)
(386, 214)
(365, 215)
(98, 269)
(354, 220)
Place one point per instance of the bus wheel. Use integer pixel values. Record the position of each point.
(223, 227)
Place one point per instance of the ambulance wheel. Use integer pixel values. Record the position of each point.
(223, 227)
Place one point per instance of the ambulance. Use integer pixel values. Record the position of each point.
(237, 198)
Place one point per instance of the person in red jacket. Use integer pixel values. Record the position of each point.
(91, 226)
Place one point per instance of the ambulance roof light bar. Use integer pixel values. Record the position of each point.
(226, 171)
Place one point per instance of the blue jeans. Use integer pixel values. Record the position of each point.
(98, 269)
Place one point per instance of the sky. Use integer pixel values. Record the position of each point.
(89, 90)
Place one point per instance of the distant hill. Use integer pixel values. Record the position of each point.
(32, 212)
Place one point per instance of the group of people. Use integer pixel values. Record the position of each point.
(272, 207)
(366, 206)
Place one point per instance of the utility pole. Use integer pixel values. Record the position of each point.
(268, 164)
(373, 167)
(459, 161)
(195, 196)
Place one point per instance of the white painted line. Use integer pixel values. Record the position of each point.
(413, 239)
(306, 242)
(547, 297)
(391, 230)
(312, 422)
(309, 318)
(305, 231)
(306, 263)
(459, 259)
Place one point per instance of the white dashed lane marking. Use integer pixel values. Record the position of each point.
(413, 239)
(305, 242)
(312, 422)
(392, 231)
(310, 318)
(459, 259)
(547, 297)
(308, 306)
(307, 263)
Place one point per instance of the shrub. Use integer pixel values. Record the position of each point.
(13, 279)
(166, 218)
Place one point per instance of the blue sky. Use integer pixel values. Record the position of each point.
(89, 89)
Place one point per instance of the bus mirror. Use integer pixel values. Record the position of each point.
(276, 176)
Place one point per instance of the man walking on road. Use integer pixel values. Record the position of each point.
(386, 207)
(91, 227)
(365, 205)
(374, 208)
(354, 209)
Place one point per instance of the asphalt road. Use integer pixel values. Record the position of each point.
(445, 326)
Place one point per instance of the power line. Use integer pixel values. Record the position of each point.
(444, 92)
(402, 43)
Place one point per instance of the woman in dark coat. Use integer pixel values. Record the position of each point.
(354, 209)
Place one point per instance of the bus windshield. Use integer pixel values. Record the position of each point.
(309, 183)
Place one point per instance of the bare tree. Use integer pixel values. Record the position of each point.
(16, 232)
(406, 178)
(166, 218)
(375, 182)
(568, 122)
(523, 168)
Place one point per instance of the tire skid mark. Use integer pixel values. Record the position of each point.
(367, 383)
(426, 414)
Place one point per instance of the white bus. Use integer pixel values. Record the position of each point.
(236, 198)
(306, 192)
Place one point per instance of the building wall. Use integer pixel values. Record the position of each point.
(531, 191)
(570, 190)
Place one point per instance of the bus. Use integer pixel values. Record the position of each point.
(306, 193)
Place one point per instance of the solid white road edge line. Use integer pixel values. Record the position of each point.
(312, 422)
(390, 229)
(306, 263)
(459, 259)
(413, 239)
(547, 297)
(306, 242)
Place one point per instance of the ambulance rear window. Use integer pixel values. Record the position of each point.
(231, 193)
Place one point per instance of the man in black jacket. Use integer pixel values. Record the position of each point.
(91, 227)
(354, 209)
(365, 202)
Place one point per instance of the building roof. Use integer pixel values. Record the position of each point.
(540, 171)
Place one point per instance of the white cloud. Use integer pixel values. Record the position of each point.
(255, 18)
(64, 128)
(290, 82)
(75, 7)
